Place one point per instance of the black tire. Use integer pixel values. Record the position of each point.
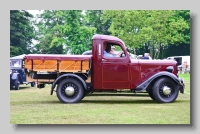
(16, 84)
(150, 92)
(165, 90)
(85, 94)
(32, 84)
(70, 83)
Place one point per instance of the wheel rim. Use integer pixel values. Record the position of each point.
(166, 90)
(70, 90)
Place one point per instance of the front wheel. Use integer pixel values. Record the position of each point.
(165, 90)
(16, 84)
(70, 90)
(150, 92)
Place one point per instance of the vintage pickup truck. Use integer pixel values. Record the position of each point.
(75, 76)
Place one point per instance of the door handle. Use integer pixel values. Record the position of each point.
(104, 60)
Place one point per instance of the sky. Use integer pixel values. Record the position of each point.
(34, 12)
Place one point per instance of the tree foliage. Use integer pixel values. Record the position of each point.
(71, 31)
(94, 18)
(21, 32)
(153, 28)
(63, 30)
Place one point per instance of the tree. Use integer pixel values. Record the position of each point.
(47, 23)
(167, 28)
(153, 28)
(63, 29)
(180, 48)
(93, 18)
(126, 24)
(21, 32)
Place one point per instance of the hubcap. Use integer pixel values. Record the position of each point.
(166, 90)
(69, 91)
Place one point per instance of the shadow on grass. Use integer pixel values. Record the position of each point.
(119, 94)
(119, 101)
(102, 102)
(101, 98)
(105, 102)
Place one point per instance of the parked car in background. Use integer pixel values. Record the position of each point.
(183, 63)
(89, 52)
(17, 72)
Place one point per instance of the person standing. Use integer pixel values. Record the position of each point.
(149, 56)
(184, 66)
(146, 56)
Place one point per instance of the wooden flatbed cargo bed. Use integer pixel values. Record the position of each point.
(58, 63)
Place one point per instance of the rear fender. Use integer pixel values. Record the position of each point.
(145, 84)
(64, 76)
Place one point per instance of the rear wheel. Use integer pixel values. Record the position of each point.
(32, 84)
(165, 90)
(70, 90)
(85, 94)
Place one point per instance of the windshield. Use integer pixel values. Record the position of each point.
(15, 63)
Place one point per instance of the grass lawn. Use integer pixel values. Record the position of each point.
(30, 105)
(186, 76)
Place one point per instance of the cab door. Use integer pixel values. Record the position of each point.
(115, 72)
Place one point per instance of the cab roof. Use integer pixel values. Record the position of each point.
(19, 57)
(106, 37)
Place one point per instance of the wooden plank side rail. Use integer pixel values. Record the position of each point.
(57, 66)
(40, 65)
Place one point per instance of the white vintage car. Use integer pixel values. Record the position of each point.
(181, 60)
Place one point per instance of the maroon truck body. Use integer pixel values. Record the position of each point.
(157, 77)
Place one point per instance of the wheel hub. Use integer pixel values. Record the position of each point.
(69, 91)
(166, 90)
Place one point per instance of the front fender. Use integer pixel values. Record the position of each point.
(146, 83)
(15, 76)
(67, 75)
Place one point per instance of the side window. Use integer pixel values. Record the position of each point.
(112, 50)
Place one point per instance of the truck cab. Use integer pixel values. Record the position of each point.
(123, 72)
(109, 72)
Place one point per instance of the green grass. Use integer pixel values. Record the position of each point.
(186, 76)
(36, 106)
